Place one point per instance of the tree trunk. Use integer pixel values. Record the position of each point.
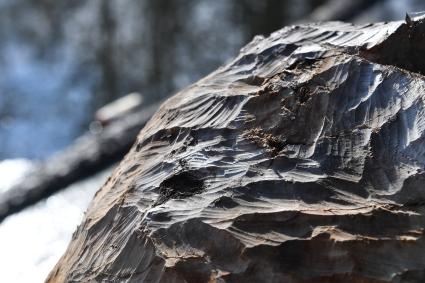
(302, 160)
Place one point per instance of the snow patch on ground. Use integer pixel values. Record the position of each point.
(32, 241)
(11, 171)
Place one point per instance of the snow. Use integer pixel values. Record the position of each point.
(31, 242)
(11, 171)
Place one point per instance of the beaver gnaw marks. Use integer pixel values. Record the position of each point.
(179, 186)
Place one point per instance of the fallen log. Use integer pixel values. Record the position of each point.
(302, 160)
(89, 154)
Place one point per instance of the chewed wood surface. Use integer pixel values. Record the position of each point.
(301, 160)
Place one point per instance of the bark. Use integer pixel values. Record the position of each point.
(302, 160)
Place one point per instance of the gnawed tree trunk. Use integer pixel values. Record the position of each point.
(302, 160)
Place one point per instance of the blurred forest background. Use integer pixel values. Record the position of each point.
(62, 60)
